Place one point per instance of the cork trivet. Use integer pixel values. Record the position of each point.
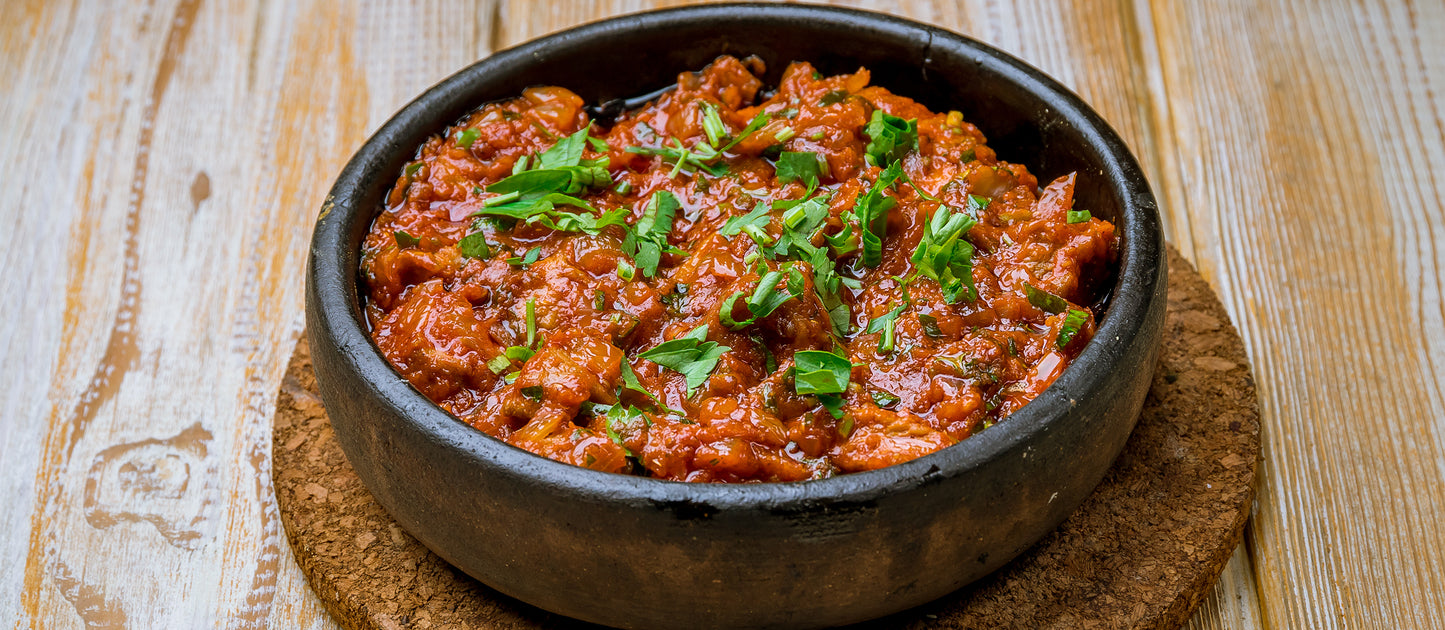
(1141, 552)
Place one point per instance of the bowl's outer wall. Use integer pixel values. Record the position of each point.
(646, 554)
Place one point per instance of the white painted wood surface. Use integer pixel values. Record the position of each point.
(164, 161)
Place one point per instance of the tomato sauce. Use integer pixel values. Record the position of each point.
(728, 284)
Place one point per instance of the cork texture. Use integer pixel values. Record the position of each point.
(1141, 552)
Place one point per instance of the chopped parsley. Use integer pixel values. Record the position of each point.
(764, 300)
(801, 166)
(753, 126)
(884, 398)
(531, 322)
(823, 374)
(690, 355)
(1073, 323)
(466, 138)
(405, 240)
(712, 124)
(1078, 216)
(474, 245)
(700, 157)
(525, 260)
(886, 324)
(872, 210)
(561, 172)
(930, 325)
(820, 372)
(1044, 300)
(753, 224)
(945, 256)
(647, 240)
(890, 137)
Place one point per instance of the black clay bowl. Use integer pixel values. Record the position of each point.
(641, 553)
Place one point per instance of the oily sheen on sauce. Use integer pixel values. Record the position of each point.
(728, 284)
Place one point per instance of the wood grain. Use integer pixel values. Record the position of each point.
(165, 160)
(1308, 145)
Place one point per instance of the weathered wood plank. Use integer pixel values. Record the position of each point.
(1307, 147)
(163, 245)
(161, 197)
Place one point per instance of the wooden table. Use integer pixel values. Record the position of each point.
(163, 163)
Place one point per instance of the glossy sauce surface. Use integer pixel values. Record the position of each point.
(929, 366)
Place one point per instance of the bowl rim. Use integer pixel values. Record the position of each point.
(1140, 271)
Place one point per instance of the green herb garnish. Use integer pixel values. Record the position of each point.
(930, 325)
(764, 300)
(531, 322)
(561, 173)
(712, 124)
(884, 398)
(647, 240)
(886, 324)
(890, 137)
(872, 210)
(833, 97)
(467, 137)
(820, 372)
(699, 157)
(405, 240)
(526, 259)
(945, 256)
(1073, 322)
(824, 375)
(1078, 216)
(803, 166)
(753, 126)
(1044, 300)
(690, 355)
(753, 224)
(474, 245)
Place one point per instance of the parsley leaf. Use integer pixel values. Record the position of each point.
(803, 166)
(1078, 216)
(405, 240)
(1044, 300)
(562, 172)
(764, 300)
(1073, 322)
(754, 223)
(755, 124)
(690, 355)
(945, 256)
(886, 324)
(890, 137)
(567, 152)
(474, 245)
(712, 123)
(884, 398)
(820, 372)
(531, 322)
(582, 221)
(647, 240)
(872, 210)
(699, 157)
(527, 258)
(629, 381)
(467, 137)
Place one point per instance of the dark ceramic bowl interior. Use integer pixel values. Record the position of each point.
(641, 553)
